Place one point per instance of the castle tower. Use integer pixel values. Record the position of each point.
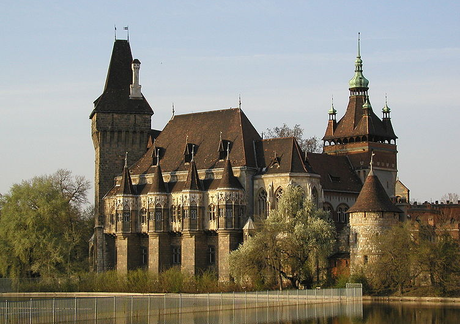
(231, 210)
(120, 122)
(372, 215)
(360, 132)
(158, 222)
(193, 239)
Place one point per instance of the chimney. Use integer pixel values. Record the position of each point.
(135, 88)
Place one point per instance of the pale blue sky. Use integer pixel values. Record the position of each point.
(286, 59)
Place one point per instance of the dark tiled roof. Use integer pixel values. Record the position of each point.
(203, 131)
(228, 180)
(373, 198)
(158, 184)
(115, 98)
(336, 172)
(281, 155)
(356, 123)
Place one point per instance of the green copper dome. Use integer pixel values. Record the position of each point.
(359, 81)
(386, 109)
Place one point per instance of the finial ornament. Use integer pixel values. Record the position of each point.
(228, 151)
(239, 101)
(173, 110)
(126, 159)
(372, 161)
(193, 153)
(158, 157)
(359, 44)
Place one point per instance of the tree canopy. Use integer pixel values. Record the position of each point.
(311, 144)
(44, 228)
(291, 242)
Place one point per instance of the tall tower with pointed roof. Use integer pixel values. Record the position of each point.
(360, 132)
(120, 122)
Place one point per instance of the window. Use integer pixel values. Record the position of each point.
(262, 203)
(112, 218)
(342, 213)
(176, 257)
(211, 254)
(126, 215)
(158, 215)
(193, 213)
(212, 212)
(229, 212)
(144, 256)
(143, 216)
(314, 196)
(366, 259)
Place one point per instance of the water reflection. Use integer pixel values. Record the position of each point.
(315, 313)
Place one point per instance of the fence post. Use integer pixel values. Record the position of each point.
(148, 309)
(75, 311)
(132, 308)
(267, 299)
(95, 309)
(30, 311)
(164, 304)
(6, 310)
(54, 310)
(207, 302)
(233, 300)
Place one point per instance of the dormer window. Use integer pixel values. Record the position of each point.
(224, 148)
(189, 152)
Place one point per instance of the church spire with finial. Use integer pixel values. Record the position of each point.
(358, 82)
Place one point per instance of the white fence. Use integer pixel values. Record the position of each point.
(97, 309)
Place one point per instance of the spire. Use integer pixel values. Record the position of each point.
(371, 164)
(359, 81)
(126, 186)
(116, 97)
(193, 181)
(158, 184)
(228, 180)
(332, 112)
(386, 110)
(373, 197)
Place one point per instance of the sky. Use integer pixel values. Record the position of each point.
(286, 59)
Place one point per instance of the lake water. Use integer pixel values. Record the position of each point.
(371, 313)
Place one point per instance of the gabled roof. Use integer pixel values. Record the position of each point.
(203, 131)
(281, 155)
(228, 180)
(336, 172)
(373, 197)
(115, 97)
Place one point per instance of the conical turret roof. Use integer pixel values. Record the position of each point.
(158, 184)
(126, 186)
(373, 197)
(193, 181)
(228, 180)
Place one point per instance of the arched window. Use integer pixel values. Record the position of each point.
(126, 215)
(158, 213)
(262, 203)
(143, 216)
(193, 211)
(212, 212)
(278, 194)
(342, 213)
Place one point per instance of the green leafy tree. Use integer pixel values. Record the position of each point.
(394, 269)
(439, 257)
(43, 227)
(294, 239)
(311, 144)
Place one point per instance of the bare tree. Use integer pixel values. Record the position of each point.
(310, 144)
(450, 197)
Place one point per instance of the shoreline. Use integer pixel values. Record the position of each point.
(411, 299)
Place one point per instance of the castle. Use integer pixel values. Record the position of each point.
(188, 195)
